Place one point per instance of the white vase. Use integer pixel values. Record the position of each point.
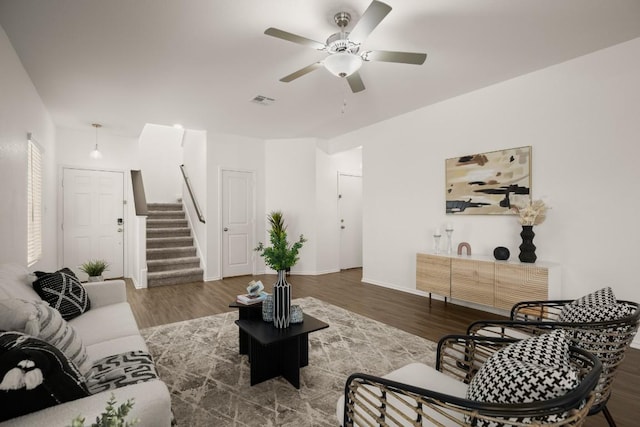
(96, 278)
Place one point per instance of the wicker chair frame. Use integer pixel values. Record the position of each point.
(609, 340)
(375, 401)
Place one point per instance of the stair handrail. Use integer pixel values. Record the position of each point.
(193, 197)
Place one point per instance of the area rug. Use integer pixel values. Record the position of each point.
(209, 381)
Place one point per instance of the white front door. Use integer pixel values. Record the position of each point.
(93, 214)
(350, 217)
(237, 223)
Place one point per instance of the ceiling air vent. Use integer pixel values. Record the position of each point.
(263, 100)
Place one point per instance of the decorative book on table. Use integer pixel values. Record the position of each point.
(251, 299)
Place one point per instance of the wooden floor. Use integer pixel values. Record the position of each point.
(411, 313)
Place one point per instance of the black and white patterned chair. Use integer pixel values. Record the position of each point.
(596, 322)
(459, 392)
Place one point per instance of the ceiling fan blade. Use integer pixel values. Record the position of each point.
(369, 20)
(301, 72)
(284, 35)
(355, 82)
(391, 56)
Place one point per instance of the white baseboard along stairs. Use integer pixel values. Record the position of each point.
(171, 254)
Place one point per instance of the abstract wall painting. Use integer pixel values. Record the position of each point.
(488, 183)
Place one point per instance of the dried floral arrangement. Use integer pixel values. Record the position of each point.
(533, 213)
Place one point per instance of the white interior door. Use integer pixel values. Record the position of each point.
(237, 223)
(93, 213)
(350, 217)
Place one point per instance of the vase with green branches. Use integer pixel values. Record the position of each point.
(280, 256)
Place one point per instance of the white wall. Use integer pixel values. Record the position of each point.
(580, 117)
(328, 227)
(160, 160)
(195, 164)
(291, 188)
(234, 153)
(22, 111)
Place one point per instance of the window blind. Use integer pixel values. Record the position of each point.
(34, 203)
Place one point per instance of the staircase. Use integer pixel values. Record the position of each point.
(171, 255)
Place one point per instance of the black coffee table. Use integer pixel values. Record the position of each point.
(277, 352)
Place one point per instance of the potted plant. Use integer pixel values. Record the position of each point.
(95, 268)
(113, 416)
(280, 256)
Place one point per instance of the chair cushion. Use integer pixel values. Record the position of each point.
(63, 291)
(535, 369)
(35, 375)
(423, 376)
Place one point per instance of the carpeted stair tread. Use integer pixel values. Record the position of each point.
(173, 263)
(164, 206)
(166, 223)
(168, 232)
(165, 215)
(169, 242)
(174, 277)
(164, 253)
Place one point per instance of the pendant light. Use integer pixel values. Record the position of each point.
(96, 154)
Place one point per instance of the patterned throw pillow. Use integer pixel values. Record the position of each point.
(35, 375)
(599, 306)
(535, 369)
(121, 370)
(63, 291)
(600, 297)
(49, 326)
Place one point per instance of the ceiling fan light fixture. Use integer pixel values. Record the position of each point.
(342, 64)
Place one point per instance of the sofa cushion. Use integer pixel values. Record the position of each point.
(63, 291)
(115, 346)
(105, 323)
(535, 369)
(35, 375)
(15, 282)
(15, 313)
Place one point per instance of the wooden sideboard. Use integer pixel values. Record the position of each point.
(483, 280)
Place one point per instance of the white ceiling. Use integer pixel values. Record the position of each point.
(125, 63)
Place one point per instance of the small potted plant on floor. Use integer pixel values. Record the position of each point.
(95, 268)
(280, 256)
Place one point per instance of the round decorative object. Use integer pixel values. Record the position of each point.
(501, 253)
(297, 315)
(527, 248)
(267, 309)
(281, 301)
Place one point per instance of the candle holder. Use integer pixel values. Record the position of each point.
(449, 232)
(436, 243)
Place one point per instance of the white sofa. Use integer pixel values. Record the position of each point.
(108, 328)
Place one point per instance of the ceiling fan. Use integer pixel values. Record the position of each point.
(345, 57)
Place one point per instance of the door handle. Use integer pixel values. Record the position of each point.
(342, 227)
(225, 229)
